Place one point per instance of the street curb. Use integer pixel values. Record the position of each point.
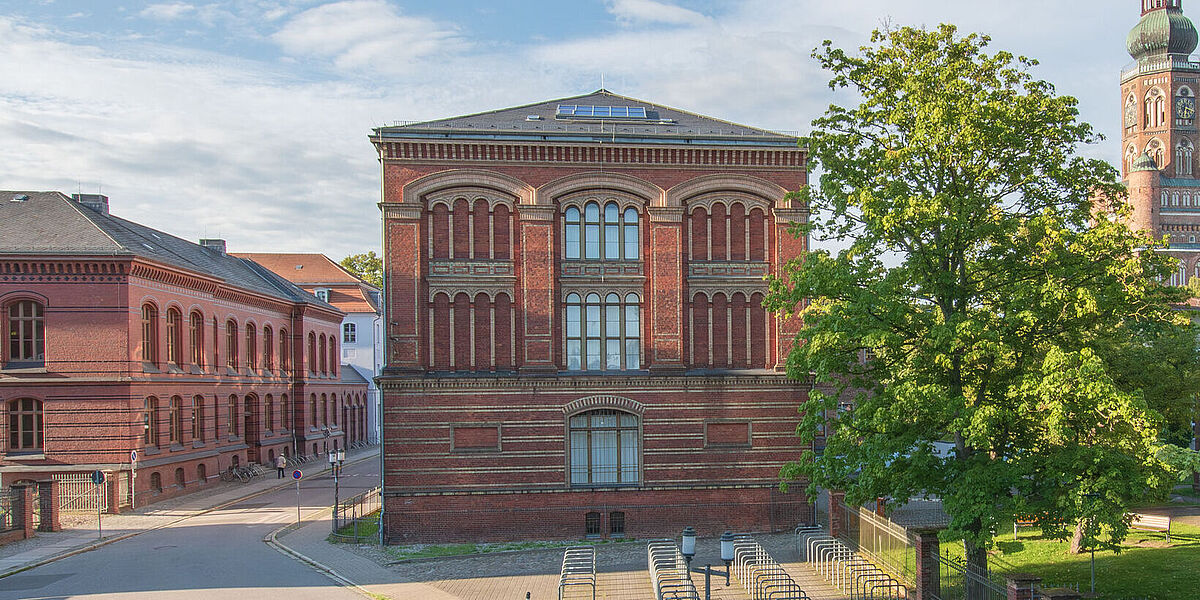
(271, 539)
(204, 511)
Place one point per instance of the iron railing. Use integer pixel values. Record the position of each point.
(8, 520)
(357, 515)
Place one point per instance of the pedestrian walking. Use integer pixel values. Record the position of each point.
(280, 465)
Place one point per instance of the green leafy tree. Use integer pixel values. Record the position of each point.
(367, 267)
(978, 279)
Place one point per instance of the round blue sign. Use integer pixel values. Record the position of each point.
(297, 474)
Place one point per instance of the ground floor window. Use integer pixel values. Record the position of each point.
(25, 425)
(604, 448)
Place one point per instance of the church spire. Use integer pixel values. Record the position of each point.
(1162, 31)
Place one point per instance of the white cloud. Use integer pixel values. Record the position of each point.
(651, 11)
(166, 11)
(366, 34)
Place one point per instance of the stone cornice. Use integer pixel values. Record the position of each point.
(666, 214)
(401, 210)
(588, 384)
(537, 212)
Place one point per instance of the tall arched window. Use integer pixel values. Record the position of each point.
(334, 403)
(231, 344)
(25, 425)
(198, 418)
(572, 239)
(603, 335)
(150, 333)
(150, 422)
(285, 352)
(269, 413)
(604, 448)
(322, 358)
(1156, 108)
(312, 411)
(1155, 150)
(196, 333)
(251, 346)
(174, 336)
(610, 233)
(26, 332)
(333, 356)
(591, 230)
(285, 411)
(232, 410)
(312, 352)
(324, 409)
(174, 420)
(1131, 111)
(268, 348)
(1183, 158)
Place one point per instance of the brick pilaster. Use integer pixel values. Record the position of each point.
(404, 252)
(536, 288)
(785, 247)
(24, 509)
(929, 583)
(1020, 586)
(665, 304)
(49, 500)
(837, 513)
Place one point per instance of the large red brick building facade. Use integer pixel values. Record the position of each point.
(576, 343)
(119, 337)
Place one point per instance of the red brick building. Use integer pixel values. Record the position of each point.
(575, 338)
(120, 337)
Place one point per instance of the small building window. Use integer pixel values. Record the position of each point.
(322, 294)
(349, 334)
(269, 412)
(202, 473)
(231, 344)
(180, 479)
(175, 419)
(196, 333)
(156, 482)
(25, 425)
(198, 417)
(591, 525)
(268, 348)
(26, 332)
(251, 347)
(232, 428)
(616, 524)
(285, 352)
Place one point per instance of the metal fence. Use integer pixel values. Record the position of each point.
(77, 494)
(884, 542)
(960, 582)
(8, 520)
(357, 519)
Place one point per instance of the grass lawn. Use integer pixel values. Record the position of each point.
(368, 529)
(1147, 567)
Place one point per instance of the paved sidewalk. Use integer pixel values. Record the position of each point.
(512, 575)
(79, 533)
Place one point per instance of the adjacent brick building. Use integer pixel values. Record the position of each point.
(120, 337)
(575, 338)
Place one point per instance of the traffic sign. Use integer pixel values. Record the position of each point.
(297, 474)
(133, 456)
(97, 477)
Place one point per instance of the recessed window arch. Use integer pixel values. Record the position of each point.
(321, 356)
(594, 232)
(268, 341)
(196, 337)
(285, 352)
(150, 421)
(1155, 150)
(150, 333)
(198, 417)
(251, 346)
(1131, 111)
(603, 333)
(26, 425)
(26, 331)
(174, 336)
(1183, 157)
(175, 420)
(312, 352)
(232, 411)
(269, 413)
(1155, 108)
(604, 447)
(1131, 155)
(231, 344)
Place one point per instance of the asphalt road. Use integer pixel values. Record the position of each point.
(217, 555)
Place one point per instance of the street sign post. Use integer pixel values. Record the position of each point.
(98, 479)
(297, 474)
(133, 480)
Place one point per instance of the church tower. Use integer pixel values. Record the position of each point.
(1159, 130)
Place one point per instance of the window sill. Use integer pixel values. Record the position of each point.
(19, 368)
(149, 367)
(196, 444)
(176, 447)
(20, 456)
(196, 370)
(151, 450)
(174, 369)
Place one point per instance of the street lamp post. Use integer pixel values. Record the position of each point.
(336, 458)
(689, 552)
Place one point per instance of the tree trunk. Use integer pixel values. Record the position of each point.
(977, 572)
(1077, 539)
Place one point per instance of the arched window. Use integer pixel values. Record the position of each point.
(349, 333)
(150, 422)
(26, 332)
(231, 344)
(630, 234)
(1165, 199)
(232, 410)
(321, 349)
(150, 333)
(269, 413)
(603, 335)
(604, 448)
(610, 233)
(1156, 108)
(25, 426)
(324, 409)
(285, 352)
(333, 356)
(312, 410)
(1131, 111)
(312, 352)
(285, 412)
(174, 336)
(1131, 155)
(1155, 150)
(268, 348)
(196, 333)
(572, 239)
(198, 418)
(1183, 158)
(334, 403)
(591, 230)
(251, 347)
(175, 420)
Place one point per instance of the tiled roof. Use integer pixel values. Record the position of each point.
(542, 121)
(312, 270)
(50, 223)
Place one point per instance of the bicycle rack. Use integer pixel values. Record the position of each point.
(846, 569)
(669, 572)
(578, 570)
(759, 573)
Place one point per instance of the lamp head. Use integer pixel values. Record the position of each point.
(727, 546)
(689, 542)
(332, 457)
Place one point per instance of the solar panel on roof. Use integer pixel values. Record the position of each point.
(585, 110)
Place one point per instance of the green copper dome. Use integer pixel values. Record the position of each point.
(1144, 163)
(1160, 32)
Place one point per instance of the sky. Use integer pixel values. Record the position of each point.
(248, 119)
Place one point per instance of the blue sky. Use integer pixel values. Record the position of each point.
(248, 119)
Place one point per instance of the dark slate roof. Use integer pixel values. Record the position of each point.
(50, 223)
(350, 374)
(663, 125)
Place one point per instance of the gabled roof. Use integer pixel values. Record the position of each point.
(50, 223)
(545, 121)
(312, 270)
(351, 374)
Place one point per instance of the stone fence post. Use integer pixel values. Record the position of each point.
(23, 507)
(48, 497)
(837, 516)
(112, 490)
(929, 576)
(1021, 586)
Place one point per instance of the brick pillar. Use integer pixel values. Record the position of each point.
(1021, 586)
(881, 507)
(929, 577)
(665, 305)
(785, 247)
(837, 515)
(537, 303)
(48, 496)
(23, 506)
(403, 251)
(112, 489)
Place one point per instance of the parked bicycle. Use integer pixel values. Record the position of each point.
(242, 474)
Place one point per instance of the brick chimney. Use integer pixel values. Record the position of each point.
(214, 244)
(96, 202)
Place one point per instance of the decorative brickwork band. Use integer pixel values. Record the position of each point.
(927, 547)
(49, 501)
(1020, 586)
(604, 401)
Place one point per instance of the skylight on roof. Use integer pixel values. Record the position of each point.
(613, 112)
